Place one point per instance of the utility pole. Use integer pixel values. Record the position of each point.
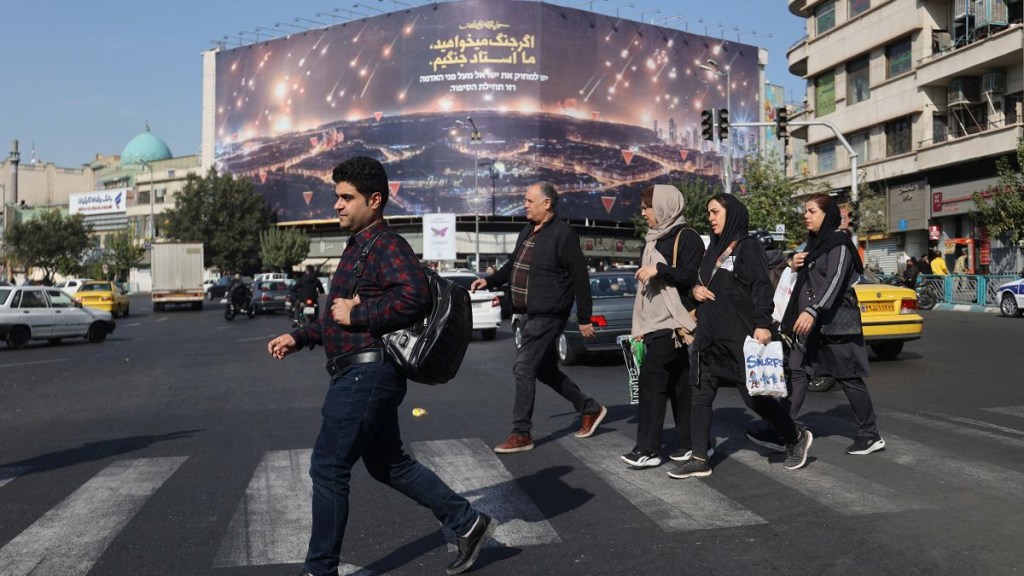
(15, 158)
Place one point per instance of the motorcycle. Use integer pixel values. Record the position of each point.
(239, 302)
(306, 312)
(927, 296)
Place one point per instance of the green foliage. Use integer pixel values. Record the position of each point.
(51, 241)
(772, 199)
(696, 193)
(873, 217)
(122, 254)
(1003, 212)
(224, 213)
(283, 248)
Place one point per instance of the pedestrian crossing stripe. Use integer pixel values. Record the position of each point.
(12, 472)
(1017, 411)
(960, 430)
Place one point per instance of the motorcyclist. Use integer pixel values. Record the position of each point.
(239, 293)
(307, 287)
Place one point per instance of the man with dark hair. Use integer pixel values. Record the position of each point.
(360, 412)
(546, 272)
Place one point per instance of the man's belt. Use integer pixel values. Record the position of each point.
(339, 363)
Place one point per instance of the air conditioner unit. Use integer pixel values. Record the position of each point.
(962, 9)
(963, 91)
(993, 82)
(990, 13)
(943, 40)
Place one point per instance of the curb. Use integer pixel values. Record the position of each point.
(967, 308)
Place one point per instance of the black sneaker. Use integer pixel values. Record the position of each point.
(680, 455)
(767, 438)
(471, 544)
(796, 453)
(862, 445)
(641, 459)
(692, 468)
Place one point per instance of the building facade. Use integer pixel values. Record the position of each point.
(929, 95)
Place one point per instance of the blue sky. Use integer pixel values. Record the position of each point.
(83, 78)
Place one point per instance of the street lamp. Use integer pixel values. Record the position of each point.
(397, 2)
(314, 22)
(358, 5)
(714, 68)
(474, 140)
(146, 164)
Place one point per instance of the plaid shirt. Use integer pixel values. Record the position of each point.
(393, 292)
(520, 277)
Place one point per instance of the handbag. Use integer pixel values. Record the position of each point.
(764, 366)
(844, 318)
(687, 336)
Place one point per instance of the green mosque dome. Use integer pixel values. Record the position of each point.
(146, 147)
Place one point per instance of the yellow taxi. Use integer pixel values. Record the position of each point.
(889, 315)
(103, 295)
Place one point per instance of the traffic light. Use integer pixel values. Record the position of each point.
(706, 125)
(723, 123)
(782, 122)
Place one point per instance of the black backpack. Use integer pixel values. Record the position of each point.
(430, 352)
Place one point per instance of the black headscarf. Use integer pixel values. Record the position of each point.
(737, 223)
(818, 244)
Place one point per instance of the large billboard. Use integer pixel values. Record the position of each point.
(469, 102)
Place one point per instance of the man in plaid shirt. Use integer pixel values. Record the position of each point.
(360, 412)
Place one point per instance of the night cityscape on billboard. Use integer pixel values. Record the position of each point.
(597, 105)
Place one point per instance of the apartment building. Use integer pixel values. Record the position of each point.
(929, 95)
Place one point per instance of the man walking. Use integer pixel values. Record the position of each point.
(546, 273)
(360, 412)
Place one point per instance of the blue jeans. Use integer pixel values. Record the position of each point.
(360, 420)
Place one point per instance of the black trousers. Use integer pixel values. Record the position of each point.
(854, 387)
(706, 388)
(664, 378)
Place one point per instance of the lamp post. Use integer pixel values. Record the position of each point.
(714, 68)
(146, 164)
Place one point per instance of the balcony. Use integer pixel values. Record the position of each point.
(996, 139)
(797, 57)
(1001, 50)
(852, 38)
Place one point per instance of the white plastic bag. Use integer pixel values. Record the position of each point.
(764, 368)
(783, 292)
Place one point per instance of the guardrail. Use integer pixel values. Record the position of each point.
(966, 288)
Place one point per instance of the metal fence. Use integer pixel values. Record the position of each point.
(966, 288)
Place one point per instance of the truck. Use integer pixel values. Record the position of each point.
(177, 274)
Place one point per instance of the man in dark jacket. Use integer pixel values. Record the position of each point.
(546, 273)
(308, 286)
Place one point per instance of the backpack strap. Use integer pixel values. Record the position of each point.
(357, 270)
(675, 247)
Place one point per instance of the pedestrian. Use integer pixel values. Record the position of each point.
(735, 300)
(360, 411)
(668, 272)
(938, 264)
(911, 273)
(923, 265)
(546, 272)
(308, 286)
(960, 264)
(826, 272)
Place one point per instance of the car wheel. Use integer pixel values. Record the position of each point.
(821, 383)
(18, 337)
(125, 310)
(113, 312)
(517, 335)
(887, 350)
(490, 333)
(566, 355)
(1008, 306)
(97, 333)
(54, 341)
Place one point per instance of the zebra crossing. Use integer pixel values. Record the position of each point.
(271, 522)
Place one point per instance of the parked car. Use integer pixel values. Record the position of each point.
(486, 305)
(269, 296)
(103, 295)
(1011, 298)
(613, 294)
(71, 285)
(268, 276)
(46, 313)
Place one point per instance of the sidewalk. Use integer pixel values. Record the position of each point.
(967, 308)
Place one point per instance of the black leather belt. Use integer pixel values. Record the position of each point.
(339, 363)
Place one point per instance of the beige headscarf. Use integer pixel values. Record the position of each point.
(657, 305)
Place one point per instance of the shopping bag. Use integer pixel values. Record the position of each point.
(633, 351)
(764, 368)
(783, 292)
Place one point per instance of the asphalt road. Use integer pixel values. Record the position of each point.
(180, 447)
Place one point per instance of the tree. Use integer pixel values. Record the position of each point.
(772, 199)
(283, 248)
(1001, 207)
(696, 193)
(51, 241)
(123, 253)
(224, 213)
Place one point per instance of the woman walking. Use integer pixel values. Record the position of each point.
(668, 272)
(735, 301)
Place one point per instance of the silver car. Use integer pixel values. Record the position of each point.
(46, 313)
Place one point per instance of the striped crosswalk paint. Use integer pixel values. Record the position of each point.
(273, 522)
(675, 505)
(10, 473)
(72, 536)
(951, 424)
(472, 469)
(1008, 410)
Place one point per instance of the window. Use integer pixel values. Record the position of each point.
(1014, 108)
(897, 58)
(859, 142)
(161, 193)
(859, 7)
(825, 94)
(143, 197)
(940, 128)
(858, 86)
(59, 299)
(897, 137)
(32, 299)
(826, 157)
(825, 17)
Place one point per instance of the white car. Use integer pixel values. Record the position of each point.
(270, 277)
(486, 304)
(1011, 298)
(46, 313)
(71, 285)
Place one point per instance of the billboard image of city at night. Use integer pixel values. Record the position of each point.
(467, 103)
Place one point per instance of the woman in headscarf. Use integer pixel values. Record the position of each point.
(734, 296)
(826, 272)
(668, 272)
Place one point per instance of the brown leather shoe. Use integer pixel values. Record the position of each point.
(590, 422)
(515, 443)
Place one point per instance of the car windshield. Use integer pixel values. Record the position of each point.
(94, 288)
(4, 294)
(869, 277)
(612, 286)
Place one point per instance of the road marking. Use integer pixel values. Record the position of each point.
(33, 363)
(72, 536)
(162, 319)
(842, 491)
(8, 474)
(272, 522)
(675, 505)
(1008, 410)
(473, 470)
(962, 430)
(132, 325)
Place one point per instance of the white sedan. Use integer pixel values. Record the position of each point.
(1011, 298)
(45, 313)
(486, 305)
